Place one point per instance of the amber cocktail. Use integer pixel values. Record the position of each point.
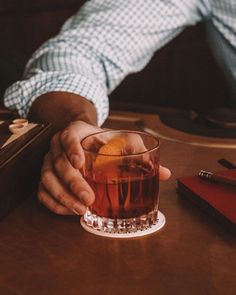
(122, 168)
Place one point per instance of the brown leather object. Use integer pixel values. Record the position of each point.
(20, 163)
(217, 199)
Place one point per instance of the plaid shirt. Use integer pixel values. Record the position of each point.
(109, 39)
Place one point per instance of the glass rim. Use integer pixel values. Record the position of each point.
(122, 131)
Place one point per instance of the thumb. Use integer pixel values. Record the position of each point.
(164, 173)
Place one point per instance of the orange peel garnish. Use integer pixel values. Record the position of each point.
(105, 163)
(114, 147)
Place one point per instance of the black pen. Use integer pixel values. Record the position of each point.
(214, 177)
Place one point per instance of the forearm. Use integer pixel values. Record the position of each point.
(61, 108)
(90, 60)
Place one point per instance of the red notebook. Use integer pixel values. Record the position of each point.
(217, 199)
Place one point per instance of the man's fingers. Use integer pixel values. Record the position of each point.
(51, 203)
(61, 193)
(56, 148)
(70, 140)
(70, 177)
(164, 173)
(135, 144)
(74, 181)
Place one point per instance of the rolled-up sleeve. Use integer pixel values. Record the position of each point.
(98, 47)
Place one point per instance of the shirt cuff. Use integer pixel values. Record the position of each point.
(22, 94)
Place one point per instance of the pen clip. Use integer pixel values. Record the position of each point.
(205, 174)
(218, 178)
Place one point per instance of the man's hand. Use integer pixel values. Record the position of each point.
(63, 189)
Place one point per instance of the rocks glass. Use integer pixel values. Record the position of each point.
(122, 168)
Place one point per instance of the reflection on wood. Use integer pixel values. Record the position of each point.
(138, 121)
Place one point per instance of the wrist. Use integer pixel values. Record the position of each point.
(61, 108)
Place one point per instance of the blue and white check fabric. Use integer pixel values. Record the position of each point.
(109, 39)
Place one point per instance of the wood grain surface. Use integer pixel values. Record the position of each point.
(43, 254)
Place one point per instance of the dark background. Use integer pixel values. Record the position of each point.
(183, 74)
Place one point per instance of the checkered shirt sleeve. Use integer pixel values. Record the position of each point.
(100, 45)
(223, 17)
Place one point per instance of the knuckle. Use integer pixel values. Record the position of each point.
(53, 206)
(75, 123)
(64, 135)
(73, 186)
(58, 160)
(53, 139)
(47, 158)
(61, 197)
(56, 208)
(45, 177)
(64, 200)
(46, 161)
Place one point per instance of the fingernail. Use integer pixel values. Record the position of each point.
(84, 197)
(77, 209)
(74, 161)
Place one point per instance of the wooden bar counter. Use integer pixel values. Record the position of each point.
(42, 253)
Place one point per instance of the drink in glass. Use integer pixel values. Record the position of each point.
(122, 168)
